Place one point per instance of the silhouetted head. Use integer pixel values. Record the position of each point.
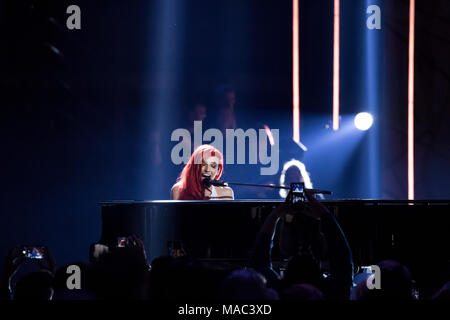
(303, 269)
(302, 292)
(395, 281)
(77, 276)
(224, 97)
(121, 273)
(197, 113)
(246, 284)
(34, 286)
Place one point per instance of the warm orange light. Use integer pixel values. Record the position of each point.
(295, 73)
(269, 135)
(336, 67)
(411, 102)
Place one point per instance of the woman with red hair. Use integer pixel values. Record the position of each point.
(206, 162)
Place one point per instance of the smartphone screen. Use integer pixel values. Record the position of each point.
(297, 191)
(121, 242)
(297, 187)
(33, 252)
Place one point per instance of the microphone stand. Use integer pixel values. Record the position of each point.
(225, 184)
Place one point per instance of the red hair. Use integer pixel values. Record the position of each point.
(190, 180)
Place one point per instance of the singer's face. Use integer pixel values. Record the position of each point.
(210, 167)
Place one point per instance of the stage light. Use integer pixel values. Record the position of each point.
(363, 121)
(295, 73)
(336, 65)
(269, 135)
(412, 10)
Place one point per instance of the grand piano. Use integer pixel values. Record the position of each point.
(211, 230)
(413, 232)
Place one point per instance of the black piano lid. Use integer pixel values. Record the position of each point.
(273, 202)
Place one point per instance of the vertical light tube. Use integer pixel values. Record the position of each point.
(411, 102)
(295, 73)
(336, 66)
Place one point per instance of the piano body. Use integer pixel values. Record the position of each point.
(223, 230)
(415, 233)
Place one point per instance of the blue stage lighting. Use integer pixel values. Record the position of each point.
(363, 121)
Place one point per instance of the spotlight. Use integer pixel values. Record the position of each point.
(363, 121)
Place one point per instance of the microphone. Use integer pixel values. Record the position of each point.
(207, 182)
(218, 183)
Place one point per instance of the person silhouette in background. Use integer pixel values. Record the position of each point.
(224, 100)
(33, 286)
(196, 113)
(396, 284)
(337, 285)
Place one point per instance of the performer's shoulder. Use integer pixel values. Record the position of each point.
(175, 191)
(226, 192)
(176, 186)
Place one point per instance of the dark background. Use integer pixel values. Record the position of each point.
(86, 115)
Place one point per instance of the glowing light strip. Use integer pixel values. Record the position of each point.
(336, 66)
(411, 102)
(295, 73)
(269, 135)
